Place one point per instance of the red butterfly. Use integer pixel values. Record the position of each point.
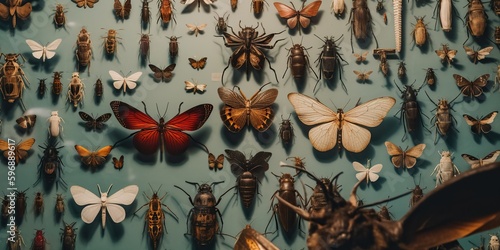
(152, 133)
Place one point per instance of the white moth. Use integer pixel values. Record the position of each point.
(111, 204)
(368, 173)
(338, 7)
(446, 169)
(445, 14)
(397, 7)
(124, 81)
(40, 51)
(195, 87)
(196, 29)
(55, 126)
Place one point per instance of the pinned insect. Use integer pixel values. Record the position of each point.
(196, 29)
(446, 54)
(165, 11)
(155, 218)
(94, 123)
(215, 163)
(125, 81)
(476, 56)
(110, 41)
(145, 13)
(26, 121)
(471, 88)
(444, 10)
(401, 70)
(98, 88)
(68, 236)
(404, 158)
(239, 111)
(294, 17)
(419, 33)
(173, 46)
(83, 50)
(446, 169)
(21, 204)
(384, 213)
(12, 79)
(368, 173)
(286, 214)
(38, 203)
(198, 64)
(43, 52)
(162, 74)
(93, 159)
(42, 87)
(50, 166)
(363, 76)
(59, 204)
(207, 2)
(286, 133)
(221, 25)
(329, 60)
(384, 65)
(298, 61)
(122, 11)
(16, 240)
(118, 162)
(249, 238)
(338, 7)
(203, 215)
(361, 58)
(56, 83)
(361, 21)
(85, 3)
(55, 126)
(258, 6)
(478, 126)
(15, 9)
(430, 77)
(248, 171)
(410, 109)
(190, 86)
(16, 153)
(475, 19)
(475, 162)
(104, 204)
(297, 162)
(75, 90)
(39, 242)
(144, 44)
(443, 118)
(59, 16)
(248, 49)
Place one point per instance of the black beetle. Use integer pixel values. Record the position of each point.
(286, 130)
(50, 166)
(287, 216)
(298, 61)
(42, 87)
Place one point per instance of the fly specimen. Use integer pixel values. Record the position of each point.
(248, 171)
(248, 48)
(344, 225)
(361, 21)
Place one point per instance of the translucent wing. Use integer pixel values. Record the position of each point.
(482, 53)
(370, 113)
(355, 138)
(324, 137)
(311, 111)
(90, 212)
(124, 196)
(116, 212)
(83, 197)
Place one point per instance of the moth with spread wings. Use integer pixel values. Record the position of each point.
(94, 123)
(471, 88)
(342, 128)
(248, 49)
(483, 125)
(474, 162)
(239, 111)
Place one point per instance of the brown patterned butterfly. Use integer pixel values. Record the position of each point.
(477, 55)
(118, 163)
(239, 111)
(215, 163)
(20, 150)
(200, 64)
(475, 162)
(478, 126)
(162, 75)
(405, 158)
(26, 121)
(474, 88)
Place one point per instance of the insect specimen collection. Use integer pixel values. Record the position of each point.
(163, 104)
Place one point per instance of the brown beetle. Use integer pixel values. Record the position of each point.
(476, 19)
(59, 17)
(361, 21)
(173, 46)
(419, 33)
(83, 50)
(286, 216)
(298, 61)
(443, 118)
(56, 83)
(12, 79)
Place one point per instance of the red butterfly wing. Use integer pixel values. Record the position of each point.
(307, 12)
(288, 13)
(132, 118)
(176, 142)
(147, 141)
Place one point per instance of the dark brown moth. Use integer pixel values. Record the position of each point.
(344, 225)
(26, 121)
(162, 74)
(15, 9)
(198, 64)
(215, 163)
(483, 125)
(446, 54)
(476, 162)
(94, 123)
(85, 3)
(122, 11)
(239, 111)
(250, 239)
(118, 162)
(363, 76)
(471, 88)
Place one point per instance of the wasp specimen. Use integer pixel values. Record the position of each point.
(298, 61)
(56, 83)
(155, 218)
(247, 170)
(50, 166)
(68, 236)
(83, 50)
(361, 21)
(15, 9)
(203, 215)
(248, 48)
(59, 16)
(122, 11)
(12, 79)
(75, 90)
(110, 41)
(286, 216)
(165, 11)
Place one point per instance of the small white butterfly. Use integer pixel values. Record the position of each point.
(40, 51)
(368, 173)
(122, 81)
(111, 204)
(195, 87)
(196, 29)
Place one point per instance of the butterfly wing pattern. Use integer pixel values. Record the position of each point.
(474, 88)
(325, 135)
(474, 162)
(21, 150)
(482, 125)
(148, 139)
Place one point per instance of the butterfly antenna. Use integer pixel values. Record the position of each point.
(118, 142)
(199, 143)
(179, 111)
(430, 98)
(385, 200)
(145, 110)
